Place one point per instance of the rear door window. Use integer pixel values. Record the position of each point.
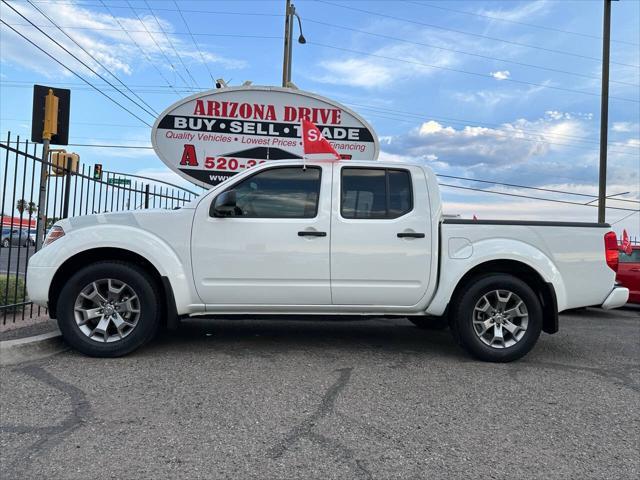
(375, 193)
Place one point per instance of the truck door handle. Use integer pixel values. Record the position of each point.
(410, 235)
(311, 233)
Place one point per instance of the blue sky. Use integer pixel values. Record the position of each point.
(505, 91)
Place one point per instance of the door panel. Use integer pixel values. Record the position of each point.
(380, 261)
(252, 260)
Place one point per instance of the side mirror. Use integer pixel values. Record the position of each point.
(224, 205)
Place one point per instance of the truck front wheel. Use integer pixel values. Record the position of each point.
(497, 318)
(108, 309)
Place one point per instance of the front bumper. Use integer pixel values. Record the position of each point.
(617, 298)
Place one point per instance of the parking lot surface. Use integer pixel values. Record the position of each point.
(311, 399)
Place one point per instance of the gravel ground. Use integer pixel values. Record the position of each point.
(376, 399)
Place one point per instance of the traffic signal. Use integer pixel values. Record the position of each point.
(63, 162)
(97, 171)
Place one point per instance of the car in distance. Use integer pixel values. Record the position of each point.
(629, 273)
(321, 238)
(14, 236)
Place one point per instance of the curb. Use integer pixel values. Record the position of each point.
(25, 349)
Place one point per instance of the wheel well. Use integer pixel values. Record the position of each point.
(545, 291)
(82, 259)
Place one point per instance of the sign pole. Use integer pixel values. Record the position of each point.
(50, 129)
(67, 188)
(42, 194)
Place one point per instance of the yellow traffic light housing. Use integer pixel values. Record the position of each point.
(60, 160)
(50, 116)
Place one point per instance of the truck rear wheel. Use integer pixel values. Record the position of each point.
(497, 318)
(108, 309)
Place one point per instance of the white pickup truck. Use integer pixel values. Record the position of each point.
(326, 238)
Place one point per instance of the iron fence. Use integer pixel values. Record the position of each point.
(72, 194)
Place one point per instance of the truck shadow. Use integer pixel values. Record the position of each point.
(277, 336)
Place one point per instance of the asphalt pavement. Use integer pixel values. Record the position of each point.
(330, 400)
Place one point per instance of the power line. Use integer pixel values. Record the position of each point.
(74, 73)
(136, 44)
(385, 113)
(624, 218)
(500, 19)
(530, 197)
(496, 39)
(195, 83)
(444, 184)
(79, 60)
(504, 134)
(119, 125)
(185, 10)
(550, 190)
(195, 43)
(94, 58)
(463, 121)
(109, 146)
(534, 198)
(197, 34)
(478, 55)
(467, 72)
(175, 70)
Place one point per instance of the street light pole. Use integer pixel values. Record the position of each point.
(288, 23)
(604, 112)
(290, 12)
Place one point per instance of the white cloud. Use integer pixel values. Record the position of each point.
(519, 13)
(356, 72)
(544, 150)
(432, 126)
(390, 63)
(103, 37)
(501, 74)
(511, 143)
(625, 127)
(492, 98)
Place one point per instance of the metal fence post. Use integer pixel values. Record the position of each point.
(146, 196)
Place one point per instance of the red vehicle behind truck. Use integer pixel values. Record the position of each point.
(629, 272)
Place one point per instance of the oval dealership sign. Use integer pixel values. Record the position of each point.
(213, 135)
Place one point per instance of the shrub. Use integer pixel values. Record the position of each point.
(9, 294)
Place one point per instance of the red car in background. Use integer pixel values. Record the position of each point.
(629, 272)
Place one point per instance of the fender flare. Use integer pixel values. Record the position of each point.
(148, 246)
(453, 269)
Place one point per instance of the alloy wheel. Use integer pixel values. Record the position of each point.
(107, 310)
(500, 318)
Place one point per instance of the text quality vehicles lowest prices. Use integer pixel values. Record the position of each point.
(334, 238)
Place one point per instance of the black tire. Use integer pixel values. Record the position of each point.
(430, 323)
(462, 311)
(140, 282)
(5, 243)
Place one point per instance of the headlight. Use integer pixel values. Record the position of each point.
(54, 234)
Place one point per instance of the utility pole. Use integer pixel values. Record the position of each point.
(290, 12)
(604, 112)
(286, 60)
